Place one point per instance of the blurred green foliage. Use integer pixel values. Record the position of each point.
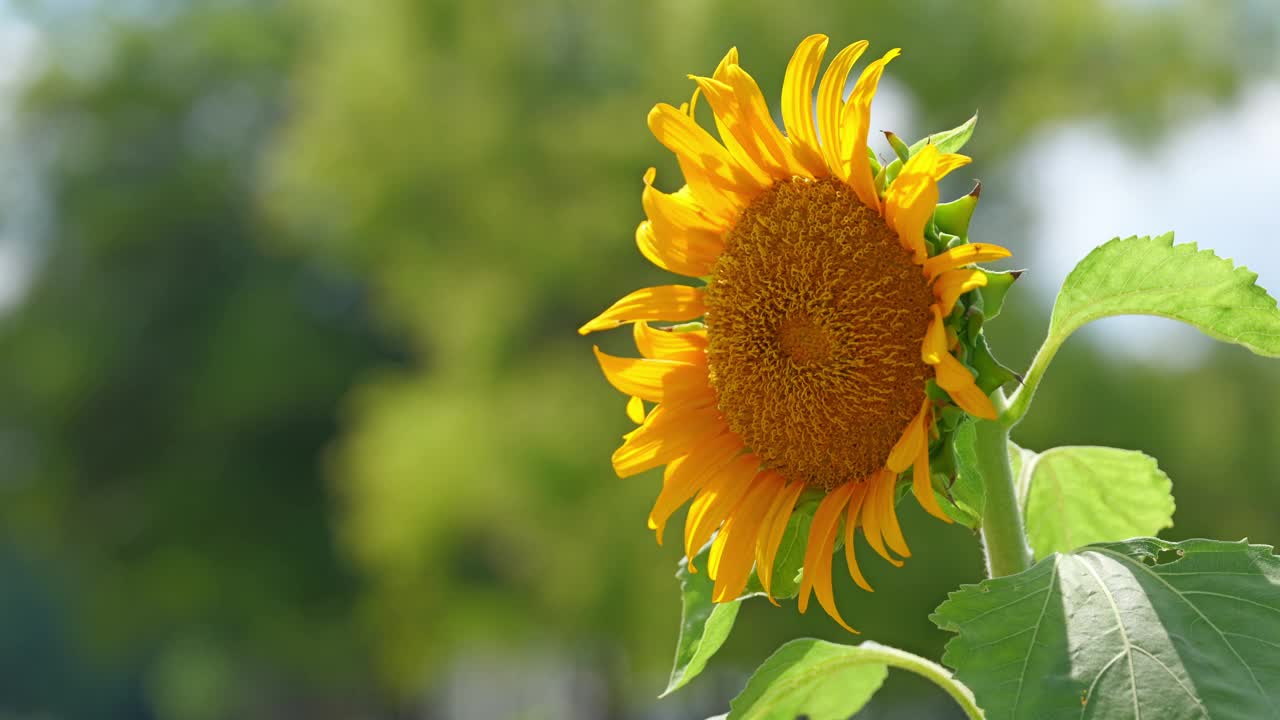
(294, 414)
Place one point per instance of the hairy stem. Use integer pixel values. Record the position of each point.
(1003, 534)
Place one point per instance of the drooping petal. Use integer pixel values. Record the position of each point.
(909, 202)
(855, 121)
(952, 284)
(771, 532)
(963, 255)
(872, 521)
(675, 303)
(665, 435)
(713, 503)
(959, 383)
(667, 345)
(935, 338)
(797, 103)
(886, 507)
(655, 380)
(831, 101)
(817, 558)
(687, 475)
(908, 446)
(732, 555)
(850, 525)
(922, 486)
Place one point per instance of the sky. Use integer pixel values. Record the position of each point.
(1212, 180)
(18, 47)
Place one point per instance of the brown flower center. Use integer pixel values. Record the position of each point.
(815, 318)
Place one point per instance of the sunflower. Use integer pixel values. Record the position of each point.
(825, 351)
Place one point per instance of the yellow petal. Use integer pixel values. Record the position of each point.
(872, 521)
(734, 126)
(886, 497)
(948, 162)
(674, 303)
(771, 143)
(774, 526)
(677, 236)
(817, 558)
(904, 452)
(667, 345)
(695, 148)
(685, 476)
(963, 255)
(855, 121)
(655, 380)
(797, 103)
(732, 555)
(635, 409)
(850, 525)
(714, 502)
(952, 284)
(665, 435)
(922, 486)
(956, 379)
(831, 101)
(935, 338)
(910, 200)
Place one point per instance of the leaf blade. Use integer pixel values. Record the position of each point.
(1153, 276)
(1102, 630)
(1079, 495)
(826, 681)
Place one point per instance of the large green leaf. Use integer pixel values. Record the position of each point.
(1152, 276)
(1075, 496)
(825, 681)
(1137, 629)
(704, 625)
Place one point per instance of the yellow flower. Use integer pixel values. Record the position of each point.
(824, 321)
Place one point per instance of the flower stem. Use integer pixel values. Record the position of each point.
(1003, 534)
(1021, 399)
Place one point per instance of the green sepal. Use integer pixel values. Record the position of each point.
(880, 179)
(991, 374)
(965, 497)
(993, 293)
(899, 147)
(954, 217)
(949, 417)
(947, 141)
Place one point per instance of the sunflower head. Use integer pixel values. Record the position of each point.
(831, 341)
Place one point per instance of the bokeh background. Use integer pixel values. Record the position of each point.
(294, 422)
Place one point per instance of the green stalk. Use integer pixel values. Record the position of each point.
(1021, 399)
(1004, 536)
(940, 676)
